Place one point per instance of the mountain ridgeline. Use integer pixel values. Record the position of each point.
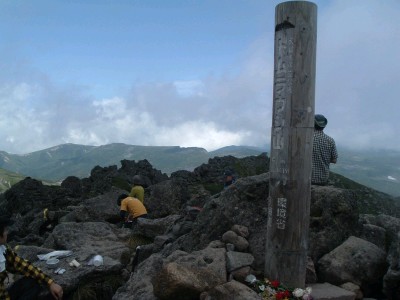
(56, 163)
(376, 169)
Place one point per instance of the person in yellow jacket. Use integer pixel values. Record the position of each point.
(131, 209)
(137, 190)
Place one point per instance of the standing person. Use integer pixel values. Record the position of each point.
(324, 152)
(131, 209)
(137, 189)
(28, 287)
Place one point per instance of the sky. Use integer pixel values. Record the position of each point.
(187, 73)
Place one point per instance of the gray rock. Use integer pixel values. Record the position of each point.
(333, 218)
(242, 231)
(231, 290)
(239, 242)
(176, 281)
(97, 209)
(349, 286)
(90, 238)
(326, 291)
(154, 227)
(391, 280)
(166, 198)
(389, 223)
(139, 285)
(186, 276)
(374, 234)
(210, 258)
(357, 261)
(236, 260)
(241, 273)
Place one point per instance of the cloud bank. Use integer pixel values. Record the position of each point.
(358, 58)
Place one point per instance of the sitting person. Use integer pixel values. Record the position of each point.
(50, 221)
(131, 209)
(324, 152)
(28, 287)
(229, 178)
(137, 189)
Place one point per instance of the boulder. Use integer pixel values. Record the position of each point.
(391, 280)
(187, 275)
(155, 227)
(326, 291)
(139, 285)
(75, 277)
(176, 281)
(374, 234)
(333, 218)
(239, 242)
(357, 261)
(242, 231)
(353, 288)
(90, 238)
(166, 198)
(96, 209)
(148, 175)
(237, 260)
(389, 223)
(73, 185)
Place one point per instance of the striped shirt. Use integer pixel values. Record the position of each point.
(16, 264)
(324, 152)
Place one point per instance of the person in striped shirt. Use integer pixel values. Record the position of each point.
(29, 286)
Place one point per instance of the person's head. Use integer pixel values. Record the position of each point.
(4, 223)
(120, 198)
(137, 180)
(320, 122)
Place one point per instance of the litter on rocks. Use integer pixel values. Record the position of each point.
(74, 263)
(55, 254)
(59, 271)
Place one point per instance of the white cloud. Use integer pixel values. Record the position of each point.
(195, 134)
(358, 59)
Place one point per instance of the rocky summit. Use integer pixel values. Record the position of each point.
(201, 240)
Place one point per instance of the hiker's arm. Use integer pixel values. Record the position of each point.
(123, 214)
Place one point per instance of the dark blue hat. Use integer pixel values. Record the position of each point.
(320, 121)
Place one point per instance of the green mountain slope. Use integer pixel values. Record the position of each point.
(7, 179)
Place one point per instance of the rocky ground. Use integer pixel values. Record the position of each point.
(206, 253)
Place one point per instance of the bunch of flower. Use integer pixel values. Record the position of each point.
(274, 290)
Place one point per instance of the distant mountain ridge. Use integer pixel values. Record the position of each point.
(379, 170)
(58, 162)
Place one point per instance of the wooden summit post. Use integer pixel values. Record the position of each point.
(291, 142)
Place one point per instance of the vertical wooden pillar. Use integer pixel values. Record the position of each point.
(291, 142)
